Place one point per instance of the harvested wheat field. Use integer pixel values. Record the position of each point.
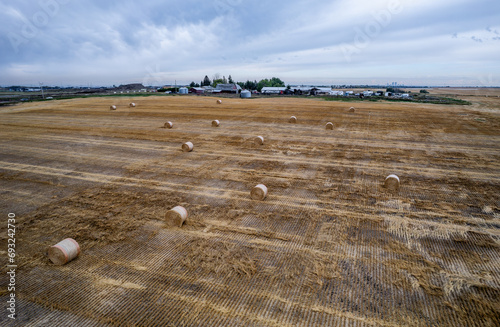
(328, 246)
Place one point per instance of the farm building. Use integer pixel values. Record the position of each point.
(197, 90)
(299, 90)
(273, 90)
(320, 90)
(228, 88)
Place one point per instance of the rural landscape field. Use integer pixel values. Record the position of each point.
(329, 246)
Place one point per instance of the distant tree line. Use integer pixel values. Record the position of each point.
(249, 85)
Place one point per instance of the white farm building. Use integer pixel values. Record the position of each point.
(273, 90)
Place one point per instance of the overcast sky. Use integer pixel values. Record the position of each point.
(417, 42)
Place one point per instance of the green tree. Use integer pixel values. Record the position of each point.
(276, 82)
(206, 81)
(273, 82)
(230, 80)
(249, 85)
(262, 83)
(216, 82)
(193, 84)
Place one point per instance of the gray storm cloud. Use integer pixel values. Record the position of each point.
(76, 42)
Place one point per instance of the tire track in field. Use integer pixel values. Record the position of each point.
(275, 201)
(147, 166)
(237, 155)
(197, 190)
(45, 153)
(269, 157)
(338, 138)
(405, 169)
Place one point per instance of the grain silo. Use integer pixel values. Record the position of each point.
(245, 94)
(183, 90)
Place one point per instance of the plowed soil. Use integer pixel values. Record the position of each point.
(329, 246)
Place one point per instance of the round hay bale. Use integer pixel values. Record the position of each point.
(176, 217)
(215, 123)
(329, 125)
(168, 124)
(112, 107)
(64, 251)
(259, 140)
(352, 109)
(219, 101)
(259, 192)
(292, 120)
(131, 105)
(187, 147)
(392, 182)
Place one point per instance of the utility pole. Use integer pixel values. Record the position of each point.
(41, 86)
